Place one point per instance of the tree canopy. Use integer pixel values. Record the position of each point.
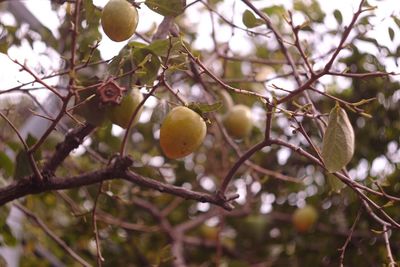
(269, 139)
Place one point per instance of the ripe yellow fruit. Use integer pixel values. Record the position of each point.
(303, 219)
(122, 113)
(119, 20)
(238, 121)
(182, 132)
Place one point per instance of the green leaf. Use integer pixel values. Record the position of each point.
(22, 163)
(250, 20)
(90, 12)
(136, 54)
(6, 164)
(135, 44)
(379, 232)
(334, 183)
(338, 141)
(391, 33)
(3, 47)
(8, 237)
(162, 46)
(159, 112)
(30, 141)
(150, 65)
(167, 7)
(364, 101)
(22, 166)
(338, 16)
(89, 107)
(205, 108)
(272, 10)
(396, 20)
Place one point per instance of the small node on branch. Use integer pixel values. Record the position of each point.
(122, 163)
(110, 92)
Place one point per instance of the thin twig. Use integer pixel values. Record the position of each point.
(100, 258)
(392, 262)
(52, 235)
(348, 239)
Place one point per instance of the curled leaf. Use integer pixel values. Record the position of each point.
(338, 141)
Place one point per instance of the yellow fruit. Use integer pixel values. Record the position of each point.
(182, 132)
(238, 121)
(122, 113)
(303, 219)
(119, 20)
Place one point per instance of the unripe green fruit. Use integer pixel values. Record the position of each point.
(182, 132)
(119, 20)
(238, 121)
(303, 219)
(122, 113)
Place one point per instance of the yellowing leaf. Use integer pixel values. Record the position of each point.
(338, 141)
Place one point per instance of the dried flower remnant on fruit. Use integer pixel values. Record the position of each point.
(110, 92)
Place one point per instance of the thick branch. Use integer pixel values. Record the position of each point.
(26, 186)
(72, 140)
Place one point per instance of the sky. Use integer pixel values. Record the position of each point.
(148, 19)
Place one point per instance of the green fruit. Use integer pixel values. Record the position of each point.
(303, 219)
(182, 132)
(255, 226)
(119, 20)
(238, 121)
(122, 113)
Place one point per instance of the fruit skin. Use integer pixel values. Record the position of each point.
(121, 114)
(304, 218)
(238, 121)
(182, 132)
(119, 20)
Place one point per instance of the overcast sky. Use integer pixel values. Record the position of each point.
(41, 8)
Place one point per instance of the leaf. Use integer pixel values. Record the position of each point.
(334, 183)
(338, 141)
(162, 46)
(379, 232)
(7, 236)
(22, 166)
(3, 47)
(89, 107)
(167, 7)
(250, 20)
(159, 112)
(391, 33)
(6, 164)
(338, 16)
(272, 10)
(22, 163)
(363, 101)
(205, 108)
(396, 20)
(150, 64)
(30, 141)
